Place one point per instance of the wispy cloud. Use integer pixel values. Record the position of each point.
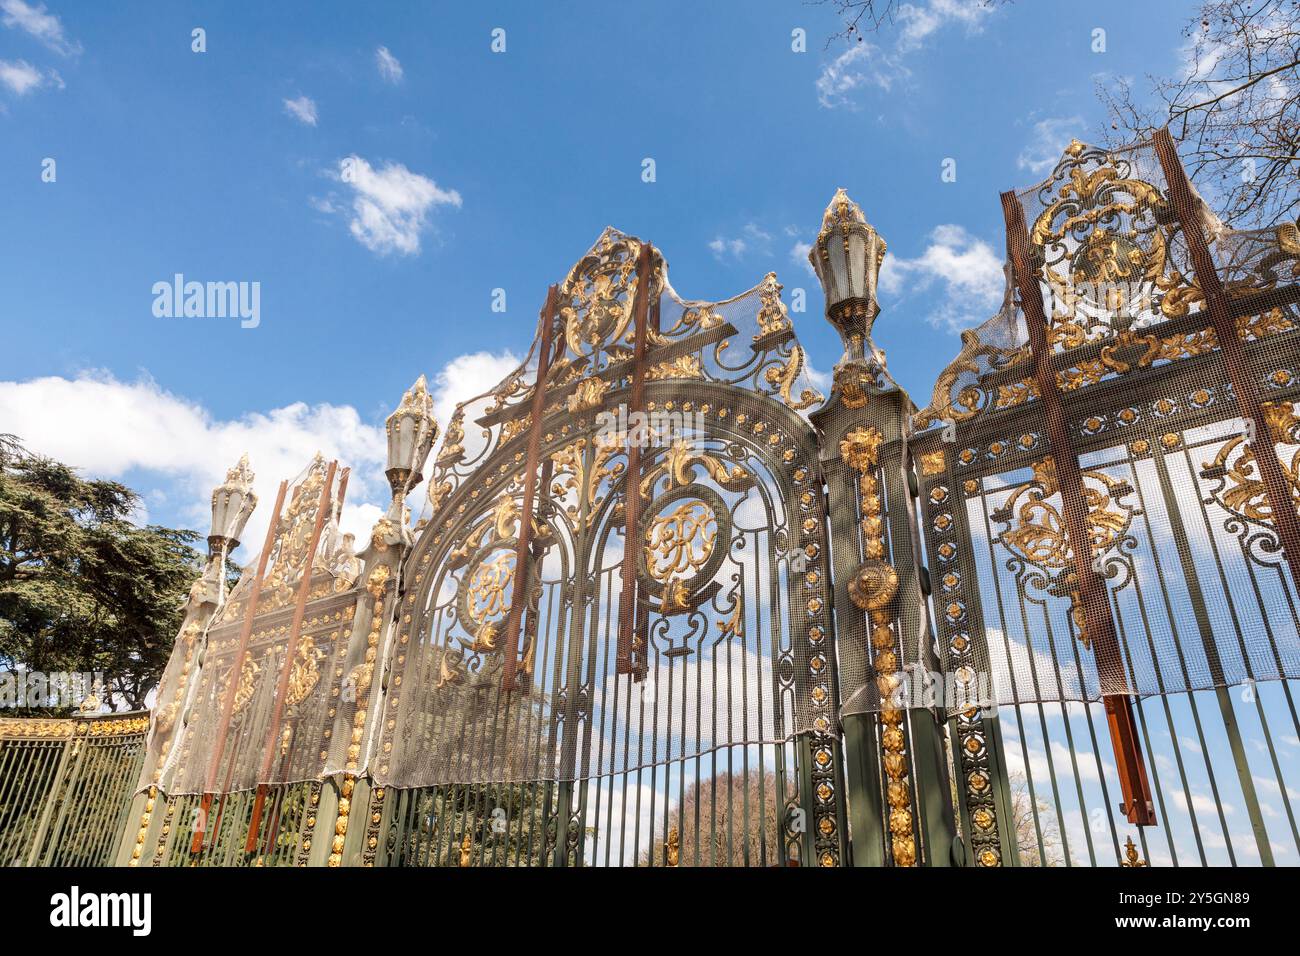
(44, 26)
(22, 78)
(390, 206)
(860, 66)
(966, 271)
(752, 239)
(469, 376)
(865, 65)
(1049, 139)
(917, 23)
(303, 109)
(390, 68)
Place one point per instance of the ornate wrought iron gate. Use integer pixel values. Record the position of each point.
(647, 701)
(1067, 586)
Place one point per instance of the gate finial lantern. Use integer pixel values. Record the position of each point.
(412, 431)
(847, 257)
(232, 503)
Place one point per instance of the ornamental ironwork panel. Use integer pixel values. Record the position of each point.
(711, 741)
(1176, 387)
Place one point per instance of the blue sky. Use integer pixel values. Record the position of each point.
(482, 171)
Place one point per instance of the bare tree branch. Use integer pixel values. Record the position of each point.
(1234, 108)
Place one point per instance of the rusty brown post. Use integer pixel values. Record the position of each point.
(290, 649)
(627, 616)
(1096, 602)
(1285, 518)
(228, 705)
(519, 593)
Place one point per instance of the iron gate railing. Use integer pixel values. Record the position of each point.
(1140, 382)
(65, 787)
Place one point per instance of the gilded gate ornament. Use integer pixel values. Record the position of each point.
(596, 299)
(1038, 532)
(860, 448)
(872, 588)
(570, 463)
(293, 536)
(686, 532)
(678, 546)
(772, 315)
(246, 685)
(1131, 858)
(680, 463)
(305, 672)
(1035, 529)
(873, 584)
(1241, 490)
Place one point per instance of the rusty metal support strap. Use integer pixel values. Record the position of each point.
(228, 705)
(1092, 590)
(519, 593)
(627, 607)
(1186, 207)
(323, 509)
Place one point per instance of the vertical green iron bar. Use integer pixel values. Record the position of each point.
(1277, 768)
(51, 777)
(1200, 613)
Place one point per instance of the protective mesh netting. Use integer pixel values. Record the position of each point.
(1197, 583)
(194, 755)
(732, 654)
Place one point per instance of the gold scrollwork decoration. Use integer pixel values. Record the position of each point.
(1243, 492)
(305, 673)
(679, 466)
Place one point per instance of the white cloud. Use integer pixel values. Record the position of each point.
(303, 109)
(968, 270)
(468, 376)
(389, 66)
(44, 26)
(175, 451)
(799, 256)
(390, 205)
(108, 427)
(861, 65)
(865, 65)
(917, 23)
(752, 238)
(1050, 138)
(22, 78)
(722, 248)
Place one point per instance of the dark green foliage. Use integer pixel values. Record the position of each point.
(82, 588)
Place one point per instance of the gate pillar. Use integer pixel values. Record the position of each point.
(899, 798)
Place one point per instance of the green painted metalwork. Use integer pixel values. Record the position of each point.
(65, 787)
